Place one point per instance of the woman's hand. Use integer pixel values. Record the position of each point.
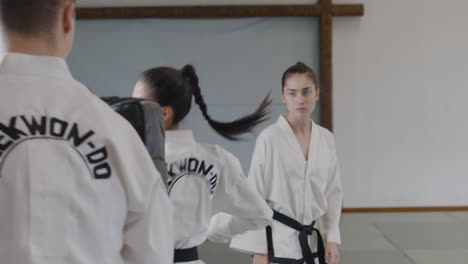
(332, 255)
(260, 259)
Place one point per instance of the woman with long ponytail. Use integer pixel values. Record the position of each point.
(204, 179)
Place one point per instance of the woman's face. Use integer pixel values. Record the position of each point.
(300, 95)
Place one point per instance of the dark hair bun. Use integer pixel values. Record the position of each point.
(188, 71)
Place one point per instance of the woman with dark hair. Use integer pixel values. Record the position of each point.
(295, 169)
(203, 179)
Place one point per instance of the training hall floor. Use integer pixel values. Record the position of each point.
(385, 238)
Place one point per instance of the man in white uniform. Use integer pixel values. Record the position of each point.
(76, 183)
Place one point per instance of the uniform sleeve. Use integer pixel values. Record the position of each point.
(148, 229)
(334, 196)
(243, 207)
(254, 241)
(148, 236)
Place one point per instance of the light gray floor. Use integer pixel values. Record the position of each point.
(386, 238)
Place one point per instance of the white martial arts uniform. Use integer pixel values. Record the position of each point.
(77, 185)
(203, 181)
(305, 190)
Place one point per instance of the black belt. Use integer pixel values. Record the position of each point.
(304, 231)
(186, 255)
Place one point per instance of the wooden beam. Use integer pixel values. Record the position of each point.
(216, 11)
(326, 69)
(199, 12)
(348, 10)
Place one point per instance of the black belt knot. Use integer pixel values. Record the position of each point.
(304, 232)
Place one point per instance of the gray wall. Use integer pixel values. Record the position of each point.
(400, 90)
(238, 60)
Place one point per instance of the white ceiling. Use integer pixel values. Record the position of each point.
(116, 3)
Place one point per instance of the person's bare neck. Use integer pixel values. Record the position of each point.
(173, 127)
(298, 125)
(39, 46)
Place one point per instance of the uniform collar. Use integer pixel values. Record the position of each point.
(314, 137)
(31, 65)
(284, 124)
(179, 137)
